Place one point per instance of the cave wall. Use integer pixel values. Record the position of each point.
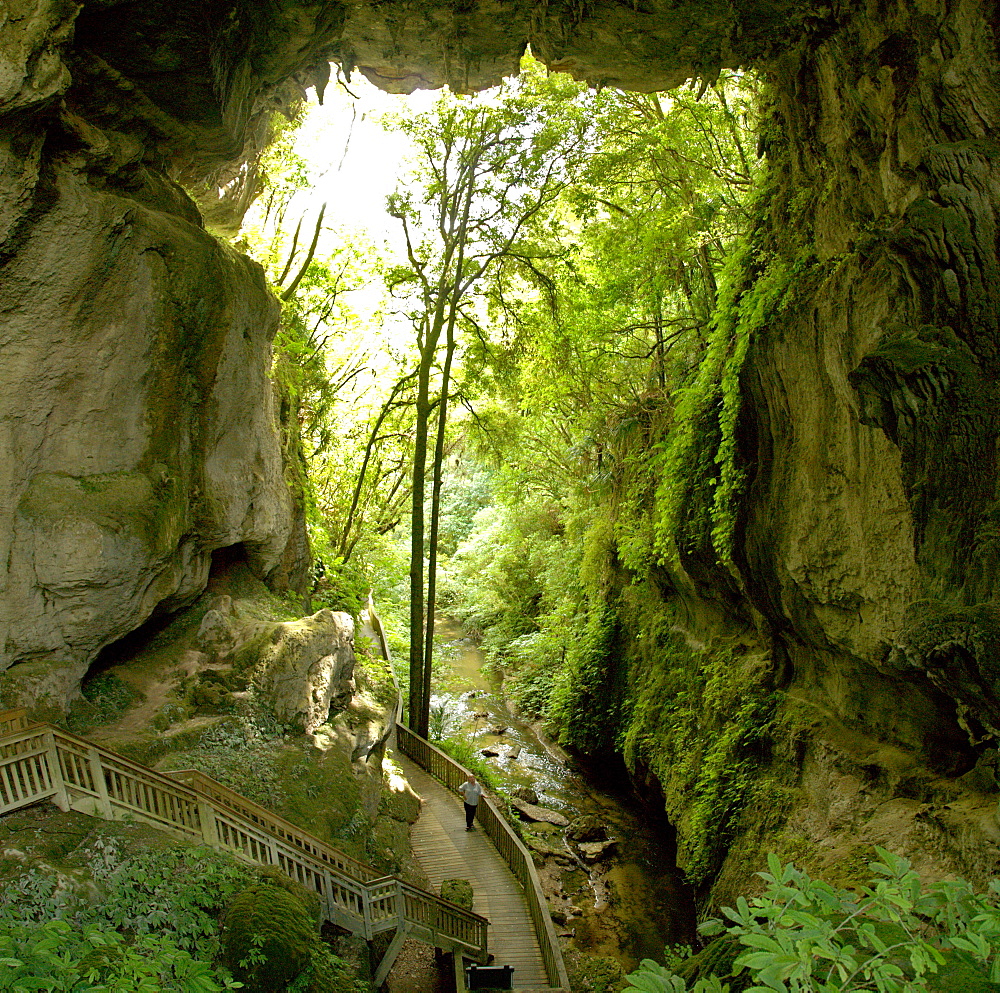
(138, 420)
(870, 535)
(137, 412)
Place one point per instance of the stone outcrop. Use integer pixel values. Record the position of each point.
(532, 812)
(306, 668)
(133, 446)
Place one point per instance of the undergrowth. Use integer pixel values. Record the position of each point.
(155, 926)
(893, 934)
(241, 753)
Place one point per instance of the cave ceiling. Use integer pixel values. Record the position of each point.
(197, 82)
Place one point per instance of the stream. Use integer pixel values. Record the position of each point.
(628, 903)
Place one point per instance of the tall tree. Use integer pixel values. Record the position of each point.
(489, 170)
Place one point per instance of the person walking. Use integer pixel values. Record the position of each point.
(471, 792)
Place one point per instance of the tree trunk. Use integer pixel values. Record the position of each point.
(416, 710)
(435, 519)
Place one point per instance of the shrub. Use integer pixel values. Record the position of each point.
(463, 753)
(56, 956)
(895, 936)
(153, 929)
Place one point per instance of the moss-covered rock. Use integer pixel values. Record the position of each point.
(305, 673)
(268, 937)
(457, 891)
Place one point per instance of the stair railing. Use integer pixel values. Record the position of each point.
(447, 771)
(506, 841)
(40, 762)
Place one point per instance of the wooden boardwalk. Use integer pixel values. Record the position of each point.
(446, 850)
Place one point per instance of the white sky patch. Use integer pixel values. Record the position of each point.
(354, 161)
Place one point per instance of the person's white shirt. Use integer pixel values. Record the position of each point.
(472, 791)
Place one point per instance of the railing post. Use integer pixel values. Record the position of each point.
(97, 774)
(366, 911)
(209, 832)
(61, 797)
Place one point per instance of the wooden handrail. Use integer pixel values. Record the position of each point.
(446, 770)
(274, 824)
(13, 720)
(41, 762)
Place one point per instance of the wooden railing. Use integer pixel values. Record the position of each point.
(446, 770)
(40, 762)
(274, 825)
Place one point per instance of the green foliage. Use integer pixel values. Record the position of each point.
(594, 974)
(756, 285)
(340, 585)
(443, 718)
(457, 891)
(105, 698)
(153, 928)
(55, 956)
(586, 692)
(182, 889)
(241, 752)
(895, 936)
(328, 973)
(464, 754)
(699, 720)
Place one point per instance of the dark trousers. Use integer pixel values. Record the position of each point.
(470, 814)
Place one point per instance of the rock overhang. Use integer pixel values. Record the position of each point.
(199, 82)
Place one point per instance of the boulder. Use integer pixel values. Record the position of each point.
(216, 636)
(532, 812)
(586, 828)
(546, 850)
(525, 793)
(457, 891)
(596, 851)
(306, 671)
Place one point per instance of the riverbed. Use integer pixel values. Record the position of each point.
(629, 903)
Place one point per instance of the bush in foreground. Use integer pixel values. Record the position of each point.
(803, 935)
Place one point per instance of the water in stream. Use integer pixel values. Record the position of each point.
(627, 906)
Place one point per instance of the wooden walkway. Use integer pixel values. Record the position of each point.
(446, 850)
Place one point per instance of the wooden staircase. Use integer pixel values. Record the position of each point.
(41, 762)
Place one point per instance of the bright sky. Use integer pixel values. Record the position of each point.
(354, 164)
(355, 161)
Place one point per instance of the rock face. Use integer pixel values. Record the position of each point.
(132, 447)
(138, 423)
(307, 669)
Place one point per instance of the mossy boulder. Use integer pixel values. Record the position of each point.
(594, 973)
(306, 669)
(268, 938)
(271, 875)
(458, 891)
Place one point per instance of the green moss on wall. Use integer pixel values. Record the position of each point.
(698, 720)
